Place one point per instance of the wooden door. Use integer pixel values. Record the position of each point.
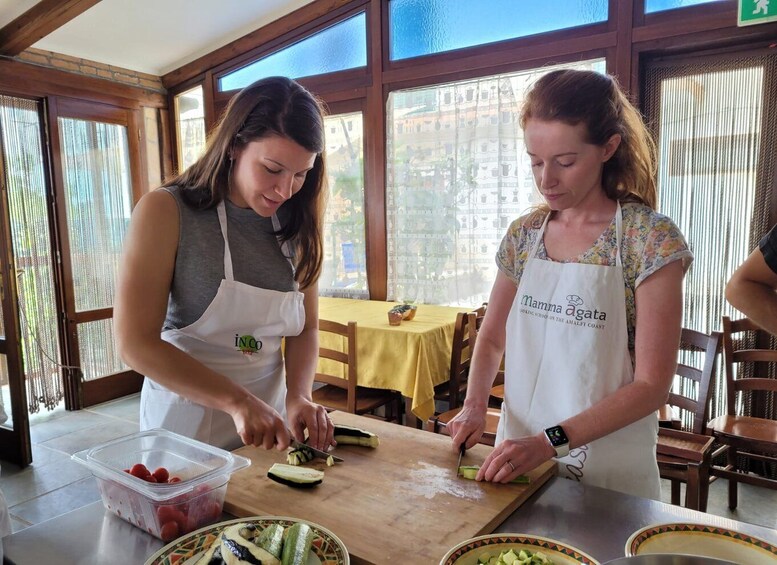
(98, 179)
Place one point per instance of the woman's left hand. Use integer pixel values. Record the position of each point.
(302, 414)
(514, 457)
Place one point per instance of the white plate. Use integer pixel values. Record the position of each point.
(698, 539)
(467, 552)
(326, 549)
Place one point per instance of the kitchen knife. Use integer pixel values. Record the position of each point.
(462, 449)
(317, 452)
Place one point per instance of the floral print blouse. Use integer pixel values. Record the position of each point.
(650, 241)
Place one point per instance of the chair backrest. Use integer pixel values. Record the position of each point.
(461, 351)
(345, 360)
(474, 330)
(739, 378)
(696, 404)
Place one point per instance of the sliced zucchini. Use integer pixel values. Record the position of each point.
(330, 461)
(293, 476)
(236, 550)
(296, 546)
(271, 539)
(471, 471)
(349, 435)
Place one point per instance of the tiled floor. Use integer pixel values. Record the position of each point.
(54, 484)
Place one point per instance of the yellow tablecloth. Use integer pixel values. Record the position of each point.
(412, 358)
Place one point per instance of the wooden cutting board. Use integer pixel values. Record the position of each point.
(398, 503)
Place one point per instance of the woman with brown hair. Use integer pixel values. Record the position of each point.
(586, 307)
(219, 266)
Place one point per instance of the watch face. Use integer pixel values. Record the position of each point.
(556, 436)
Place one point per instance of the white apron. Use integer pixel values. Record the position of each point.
(567, 348)
(238, 335)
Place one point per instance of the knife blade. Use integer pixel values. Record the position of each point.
(317, 452)
(462, 449)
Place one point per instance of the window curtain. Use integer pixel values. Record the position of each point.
(98, 195)
(457, 176)
(30, 231)
(714, 123)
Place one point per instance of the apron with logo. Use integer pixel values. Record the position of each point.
(238, 335)
(567, 348)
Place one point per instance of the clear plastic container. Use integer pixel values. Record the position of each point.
(164, 510)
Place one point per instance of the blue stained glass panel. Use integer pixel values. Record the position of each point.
(423, 27)
(336, 48)
(661, 5)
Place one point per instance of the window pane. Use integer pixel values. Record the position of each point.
(98, 192)
(423, 27)
(457, 176)
(661, 5)
(97, 350)
(345, 265)
(336, 48)
(190, 126)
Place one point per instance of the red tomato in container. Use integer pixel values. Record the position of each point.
(139, 470)
(169, 531)
(161, 475)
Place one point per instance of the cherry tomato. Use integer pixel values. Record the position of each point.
(169, 531)
(174, 480)
(215, 512)
(139, 470)
(166, 514)
(161, 475)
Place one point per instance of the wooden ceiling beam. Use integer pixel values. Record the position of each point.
(39, 21)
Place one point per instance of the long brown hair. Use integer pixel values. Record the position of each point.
(269, 106)
(596, 100)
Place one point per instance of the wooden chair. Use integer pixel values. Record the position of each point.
(685, 455)
(453, 390)
(439, 422)
(748, 438)
(338, 393)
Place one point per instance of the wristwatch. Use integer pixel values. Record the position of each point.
(558, 440)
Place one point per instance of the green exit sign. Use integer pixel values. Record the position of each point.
(757, 12)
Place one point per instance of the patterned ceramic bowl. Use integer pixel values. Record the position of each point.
(467, 553)
(706, 541)
(326, 549)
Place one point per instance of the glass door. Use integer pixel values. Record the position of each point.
(96, 179)
(26, 381)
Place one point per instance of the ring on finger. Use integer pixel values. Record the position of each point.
(511, 465)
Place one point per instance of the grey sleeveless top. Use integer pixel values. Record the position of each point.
(199, 263)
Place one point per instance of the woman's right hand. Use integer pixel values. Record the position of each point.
(259, 424)
(467, 426)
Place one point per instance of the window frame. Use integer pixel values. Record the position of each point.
(626, 40)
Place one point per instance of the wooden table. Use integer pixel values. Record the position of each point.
(398, 503)
(411, 358)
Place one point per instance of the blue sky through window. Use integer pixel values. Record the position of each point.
(336, 48)
(661, 5)
(422, 27)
